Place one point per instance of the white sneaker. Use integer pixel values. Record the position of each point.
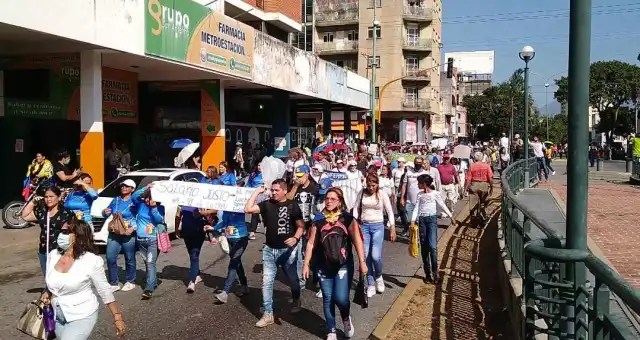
(348, 328)
(371, 291)
(198, 279)
(380, 285)
(553, 173)
(128, 286)
(191, 287)
(116, 288)
(319, 294)
(332, 336)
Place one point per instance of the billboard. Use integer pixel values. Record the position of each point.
(477, 62)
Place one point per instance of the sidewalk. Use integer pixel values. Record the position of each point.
(467, 304)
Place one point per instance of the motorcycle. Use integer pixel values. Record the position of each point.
(125, 170)
(12, 211)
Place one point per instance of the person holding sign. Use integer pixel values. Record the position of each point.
(284, 226)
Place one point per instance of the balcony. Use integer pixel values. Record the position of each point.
(413, 104)
(418, 45)
(337, 47)
(337, 15)
(415, 74)
(417, 13)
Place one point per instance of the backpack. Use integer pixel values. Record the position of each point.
(434, 161)
(334, 241)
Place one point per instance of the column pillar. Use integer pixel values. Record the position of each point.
(347, 122)
(281, 124)
(420, 128)
(326, 120)
(212, 123)
(402, 136)
(91, 129)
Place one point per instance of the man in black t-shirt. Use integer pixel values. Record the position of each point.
(305, 193)
(284, 225)
(63, 176)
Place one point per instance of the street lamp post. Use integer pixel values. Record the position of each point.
(527, 54)
(546, 106)
(374, 64)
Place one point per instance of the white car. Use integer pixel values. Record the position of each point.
(142, 178)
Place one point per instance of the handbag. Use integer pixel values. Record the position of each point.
(413, 240)
(31, 321)
(164, 242)
(117, 225)
(360, 296)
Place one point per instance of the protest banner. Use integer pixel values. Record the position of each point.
(200, 195)
(336, 175)
(407, 156)
(350, 189)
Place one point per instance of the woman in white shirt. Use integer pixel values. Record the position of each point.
(369, 210)
(73, 271)
(428, 203)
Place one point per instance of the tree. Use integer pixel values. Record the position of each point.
(493, 108)
(557, 128)
(612, 85)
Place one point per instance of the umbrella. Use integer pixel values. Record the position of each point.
(337, 146)
(185, 154)
(549, 142)
(462, 152)
(180, 143)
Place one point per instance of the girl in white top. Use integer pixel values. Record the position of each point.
(428, 203)
(387, 183)
(73, 271)
(369, 209)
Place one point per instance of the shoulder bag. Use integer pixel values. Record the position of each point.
(117, 225)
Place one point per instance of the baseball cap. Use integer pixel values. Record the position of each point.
(302, 170)
(318, 167)
(352, 163)
(339, 161)
(129, 183)
(401, 159)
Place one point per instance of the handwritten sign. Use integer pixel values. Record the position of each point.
(351, 189)
(200, 195)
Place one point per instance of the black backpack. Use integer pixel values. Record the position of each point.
(334, 239)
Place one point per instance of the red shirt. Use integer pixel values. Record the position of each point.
(447, 173)
(480, 172)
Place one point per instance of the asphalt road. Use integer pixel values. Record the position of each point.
(173, 314)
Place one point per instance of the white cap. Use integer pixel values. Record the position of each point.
(401, 159)
(318, 167)
(129, 182)
(352, 163)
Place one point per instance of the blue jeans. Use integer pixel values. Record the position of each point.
(428, 231)
(115, 245)
(335, 292)
(542, 168)
(149, 250)
(236, 250)
(42, 257)
(408, 209)
(193, 243)
(373, 237)
(301, 249)
(287, 259)
(75, 330)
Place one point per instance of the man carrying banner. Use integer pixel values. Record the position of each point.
(305, 193)
(284, 226)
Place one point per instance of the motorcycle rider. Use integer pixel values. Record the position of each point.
(64, 176)
(40, 168)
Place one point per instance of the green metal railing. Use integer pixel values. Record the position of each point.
(554, 304)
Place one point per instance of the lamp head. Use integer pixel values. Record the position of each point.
(376, 22)
(527, 53)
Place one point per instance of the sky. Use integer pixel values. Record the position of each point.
(506, 26)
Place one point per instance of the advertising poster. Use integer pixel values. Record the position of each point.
(411, 132)
(119, 90)
(62, 99)
(188, 32)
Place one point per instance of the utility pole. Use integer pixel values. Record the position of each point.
(577, 170)
(546, 106)
(374, 65)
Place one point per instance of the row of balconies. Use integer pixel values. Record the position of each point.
(351, 46)
(333, 14)
(416, 104)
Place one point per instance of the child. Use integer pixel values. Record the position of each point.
(236, 231)
(426, 211)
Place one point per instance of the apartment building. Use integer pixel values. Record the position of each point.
(407, 56)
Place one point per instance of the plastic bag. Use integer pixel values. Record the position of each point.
(224, 243)
(413, 240)
(272, 169)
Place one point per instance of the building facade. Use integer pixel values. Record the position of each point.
(407, 57)
(143, 73)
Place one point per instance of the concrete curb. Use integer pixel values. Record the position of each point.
(385, 326)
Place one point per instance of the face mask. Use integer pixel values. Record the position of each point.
(64, 241)
(418, 167)
(66, 161)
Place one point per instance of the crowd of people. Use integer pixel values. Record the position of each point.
(312, 227)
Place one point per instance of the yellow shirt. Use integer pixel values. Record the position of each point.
(45, 171)
(636, 146)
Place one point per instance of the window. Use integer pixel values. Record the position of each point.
(352, 36)
(412, 63)
(459, 129)
(377, 92)
(328, 37)
(377, 2)
(340, 63)
(411, 94)
(377, 62)
(378, 32)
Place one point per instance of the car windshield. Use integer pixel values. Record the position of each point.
(113, 189)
